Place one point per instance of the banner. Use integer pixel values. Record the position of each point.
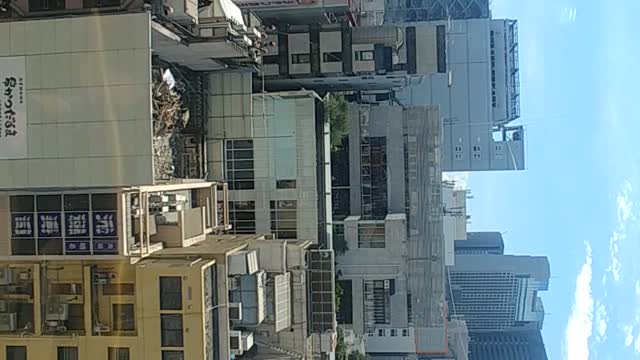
(13, 108)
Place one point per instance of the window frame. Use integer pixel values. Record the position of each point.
(164, 293)
(177, 329)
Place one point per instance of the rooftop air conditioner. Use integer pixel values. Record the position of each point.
(8, 322)
(235, 311)
(6, 277)
(57, 312)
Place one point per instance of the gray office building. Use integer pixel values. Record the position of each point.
(498, 292)
(507, 345)
(480, 243)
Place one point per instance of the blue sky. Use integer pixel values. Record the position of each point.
(578, 202)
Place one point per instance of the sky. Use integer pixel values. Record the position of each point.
(578, 202)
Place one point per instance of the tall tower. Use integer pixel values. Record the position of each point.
(498, 292)
(505, 345)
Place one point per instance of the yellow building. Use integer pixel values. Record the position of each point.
(79, 280)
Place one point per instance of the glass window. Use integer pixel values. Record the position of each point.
(67, 353)
(371, 235)
(284, 223)
(172, 355)
(171, 330)
(441, 49)
(380, 332)
(16, 352)
(366, 55)
(242, 215)
(239, 163)
(332, 57)
(104, 202)
(124, 318)
(118, 353)
(394, 332)
(285, 184)
(300, 58)
(170, 293)
(46, 5)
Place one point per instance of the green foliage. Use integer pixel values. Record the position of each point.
(357, 355)
(341, 348)
(339, 293)
(340, 245)
(337, 115)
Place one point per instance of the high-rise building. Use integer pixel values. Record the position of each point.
(399, 11)
(525, 344)
(480, 243)
(498, 292)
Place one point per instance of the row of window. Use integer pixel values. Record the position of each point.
(51, 5)
(494, 99)
(240, 167)
(284, 217)
(66, 353)
(336, 56)
(477, 154)
(171, 326)
(391, 332)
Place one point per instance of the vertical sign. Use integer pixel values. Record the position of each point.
(13, 108)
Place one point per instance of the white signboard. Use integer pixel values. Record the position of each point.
(13, 108)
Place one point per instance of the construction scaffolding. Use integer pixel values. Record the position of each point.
(401, 11)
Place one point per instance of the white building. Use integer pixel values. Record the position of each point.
(478, 95)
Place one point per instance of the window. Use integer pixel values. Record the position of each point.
(380, 332)
(300, 58)
(170, 293)
(492, 42)
(171, 330)
(286, 184)
(477, 156)
(46, 5)
(405, 332)
(498, 147)
(371, 236)
(394, 332)
(458, 156)
(242, 215)
(270, 60)
(172, 355)
(67, 353)
(88, 4)
(332, 57)
(458, 149)
(365, 55)
(118, 353)
(240, 174)
(124, 318)
(441, 49)
(16, 352)
(284, 214)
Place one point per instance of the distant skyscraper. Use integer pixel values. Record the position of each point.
(507, 345)
(481, 243)
(498, 292)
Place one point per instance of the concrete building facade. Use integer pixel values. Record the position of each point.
(390, 288)
(524, 344)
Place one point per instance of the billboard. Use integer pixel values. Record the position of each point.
(13, 124)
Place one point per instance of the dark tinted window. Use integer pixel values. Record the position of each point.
(170, 293)
(16, 352)
(171, 330)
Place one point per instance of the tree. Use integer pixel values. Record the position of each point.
(337, 115)
(357, 355)
(341, 348)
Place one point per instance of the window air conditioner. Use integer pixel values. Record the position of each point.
(235, 342)
(6, 276)
(57, 312)
(235, 311)
(8, 322)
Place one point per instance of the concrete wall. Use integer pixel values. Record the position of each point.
(330, 41)
(88, 96)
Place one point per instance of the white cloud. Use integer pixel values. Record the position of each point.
(628, 337)
(636, 345)
(624, 212)
(568, 15)
(579, 327)
(637, 287)
(602, 318)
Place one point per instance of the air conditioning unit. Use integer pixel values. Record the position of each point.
(185, 12)
(234, 283)
(4, 306)
(8, 322)
(57, 312)
(103, 278)
(6, 275)
(235, 342)
(235, 311)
